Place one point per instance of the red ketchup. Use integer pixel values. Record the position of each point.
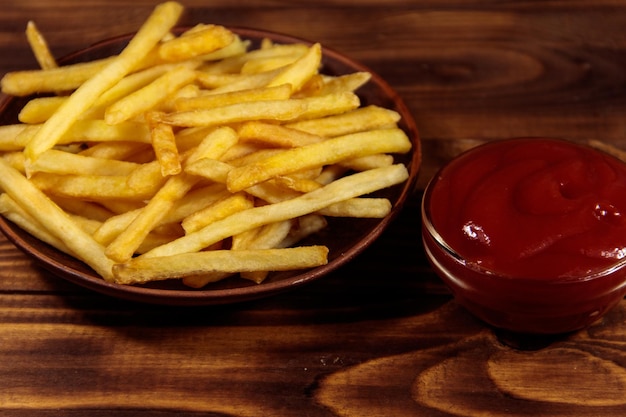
(530, 234)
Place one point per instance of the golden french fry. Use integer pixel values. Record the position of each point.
(88, 131)
(195, 200)
(154, 240)
(211, 101)
(224, 83)
(302, 185)
(120, 150)
(16, 160)
(115, 225)
(64, 78)
(272, 193)
(239, 112)
(211, 169)
(118, 206)
(140, 269)
(165, 148)
(312, 87)
(236, 48)
(254, 155)
(359, 207)
(126, 86)
(126, 243)
(162, 19)
(10, 133)
(266, 237)
(189, 138)
(217, 211)
(87, 224)
(146, 176)
(271, 134)
(318, 154)
(368, 162)
(342, 189)
(214, 145)
(149, 96)
(240, 151)
(330, 104)
(236, 63)
(93, 187)
(299, 72)
(201, 40)
(347, 82)
(16, 214)
(39, 47)
(55, 220)
(60, 162)
(100, 131)
(187, 91)
(38, 110)
(86, 209)
(277, 110)
(201, 280)
(358, 120)
(255, 66)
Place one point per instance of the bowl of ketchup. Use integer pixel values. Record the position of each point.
(529, 234)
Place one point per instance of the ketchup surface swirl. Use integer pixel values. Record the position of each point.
(533, 208)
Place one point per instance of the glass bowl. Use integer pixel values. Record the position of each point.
(500, 226)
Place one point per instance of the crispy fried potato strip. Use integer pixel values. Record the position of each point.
(141, 270)
(152, 31)
(191, 156)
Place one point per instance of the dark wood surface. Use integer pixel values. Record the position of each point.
(380, 337)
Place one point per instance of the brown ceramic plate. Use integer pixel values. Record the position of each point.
(346, 238)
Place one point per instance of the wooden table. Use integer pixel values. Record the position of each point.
(380, 337)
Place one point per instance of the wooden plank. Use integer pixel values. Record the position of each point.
(381, 336)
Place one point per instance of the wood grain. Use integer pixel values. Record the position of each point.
(381, 336)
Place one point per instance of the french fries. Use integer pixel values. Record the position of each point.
(141, 270)
(39, 47)
(189, 156)
(56, 221)
(201, 40)
(152, 31)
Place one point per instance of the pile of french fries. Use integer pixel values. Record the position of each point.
(190, 156)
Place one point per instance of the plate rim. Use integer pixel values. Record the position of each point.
(208, 296)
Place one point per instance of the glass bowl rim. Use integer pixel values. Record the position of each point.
(429, 228)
